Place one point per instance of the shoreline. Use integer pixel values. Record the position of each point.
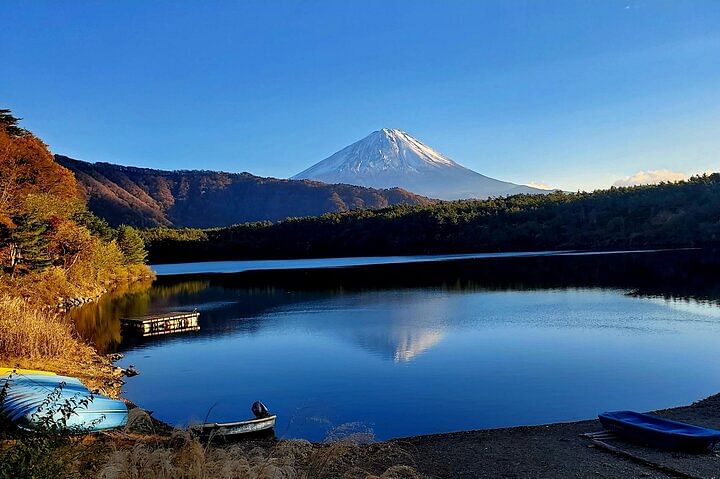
(550, 450)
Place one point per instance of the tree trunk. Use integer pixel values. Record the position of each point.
(15, 257)
(14, 254)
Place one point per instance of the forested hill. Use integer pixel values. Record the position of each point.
(146, 197)
(682, 214)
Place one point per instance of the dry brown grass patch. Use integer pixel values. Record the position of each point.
(27, 332)
(185, 457)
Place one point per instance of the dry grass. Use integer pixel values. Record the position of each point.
(185, 457)
(34, 338)
(27, 332)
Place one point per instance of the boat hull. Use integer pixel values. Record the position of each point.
(659, 432)
(238, 428)
(37, 401)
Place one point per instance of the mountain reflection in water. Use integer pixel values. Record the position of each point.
(237, 303)
(499, 342)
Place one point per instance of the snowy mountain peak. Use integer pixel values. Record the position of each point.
(378, 153)
(390, 157)
(412, 148)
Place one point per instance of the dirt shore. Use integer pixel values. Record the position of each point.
(551, 451)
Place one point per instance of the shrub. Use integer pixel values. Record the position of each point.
(37, 456)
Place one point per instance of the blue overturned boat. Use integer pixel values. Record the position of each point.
(37, 401)
(659, 432)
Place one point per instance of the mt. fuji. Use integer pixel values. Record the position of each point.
(387, 158)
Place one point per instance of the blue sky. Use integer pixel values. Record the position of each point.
(571, 94)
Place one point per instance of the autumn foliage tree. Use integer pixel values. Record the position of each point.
(29, 172)
(46, 230)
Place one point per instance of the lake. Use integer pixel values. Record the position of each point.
(321, 263)
(425, 347)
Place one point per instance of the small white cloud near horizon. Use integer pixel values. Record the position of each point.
(540, 185)
(651, 177)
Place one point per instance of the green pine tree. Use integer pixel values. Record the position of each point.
(132, 245)
(29, 243)
(96, 225)
(9, 123)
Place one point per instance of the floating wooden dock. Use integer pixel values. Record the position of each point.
(165, 323)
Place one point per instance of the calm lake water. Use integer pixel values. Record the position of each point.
(480, 345)
(315, 263)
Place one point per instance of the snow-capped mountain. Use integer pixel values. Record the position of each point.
(387, 158)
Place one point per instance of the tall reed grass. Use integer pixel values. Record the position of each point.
(32, 333)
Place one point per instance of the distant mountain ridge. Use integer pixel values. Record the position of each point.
(147, 197)
(392, 158)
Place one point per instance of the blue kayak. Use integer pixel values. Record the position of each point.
(659, 432)
(33, 401)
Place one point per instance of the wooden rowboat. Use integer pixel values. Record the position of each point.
(659, 432)
(226, 429)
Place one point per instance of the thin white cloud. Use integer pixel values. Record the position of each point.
(651, 177)
(541, 185)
